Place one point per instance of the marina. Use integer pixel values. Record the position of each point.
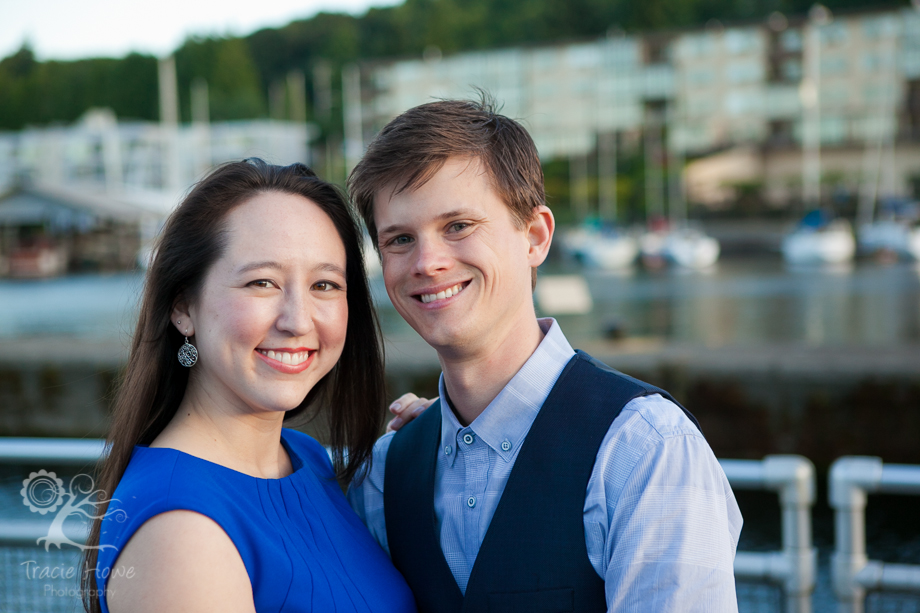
(738, 210)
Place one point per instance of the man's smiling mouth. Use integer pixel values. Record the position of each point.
(447, 293)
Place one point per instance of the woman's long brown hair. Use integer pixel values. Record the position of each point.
(154, 382)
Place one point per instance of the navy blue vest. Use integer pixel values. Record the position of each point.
(534, 558)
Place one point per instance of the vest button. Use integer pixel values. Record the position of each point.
(471, 502)
(448, 450)
(468, 439)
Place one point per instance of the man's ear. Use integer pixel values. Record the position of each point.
(540, 235)
(181, 318)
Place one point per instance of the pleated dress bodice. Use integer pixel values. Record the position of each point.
(303, 547)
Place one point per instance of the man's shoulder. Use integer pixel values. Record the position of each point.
(661, 417)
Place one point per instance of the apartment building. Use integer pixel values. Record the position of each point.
(852, 80)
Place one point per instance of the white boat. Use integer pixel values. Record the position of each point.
(884, 235)
(651, 246)
(913, 242)
(691, 248)
(832, 243)
(611, 252)
(603, 249)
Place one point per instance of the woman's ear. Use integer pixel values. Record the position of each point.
(181, 318)
(540, 234)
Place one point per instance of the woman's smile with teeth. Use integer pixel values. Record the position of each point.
(286, 357)
(447, 293)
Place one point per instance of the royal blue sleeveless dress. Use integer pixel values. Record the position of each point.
(303, 547)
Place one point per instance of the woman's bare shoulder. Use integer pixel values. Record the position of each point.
(179, 561)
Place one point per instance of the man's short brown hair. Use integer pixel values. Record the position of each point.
(412, 148)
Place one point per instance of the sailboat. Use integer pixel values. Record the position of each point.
(819, 239)
(891, 234)
(600, 245)
(598, 242)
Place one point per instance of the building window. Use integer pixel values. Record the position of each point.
(791, 40)
(742, 41)
(744, 72)
(834, 33)
(792, 70)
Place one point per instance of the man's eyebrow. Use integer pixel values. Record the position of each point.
(397, 228)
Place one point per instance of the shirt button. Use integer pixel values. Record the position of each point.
(448, 450)
(471, 502)
(506, 446)
(468, 439)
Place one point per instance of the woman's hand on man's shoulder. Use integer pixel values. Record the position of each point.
(406, 408)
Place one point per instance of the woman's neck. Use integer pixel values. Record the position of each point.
(245, 441)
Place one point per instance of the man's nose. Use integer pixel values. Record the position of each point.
(431, 256)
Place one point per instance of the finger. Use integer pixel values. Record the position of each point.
(399, 405)
(394, 424)
(415, 407)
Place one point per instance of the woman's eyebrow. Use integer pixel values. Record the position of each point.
(330, 267)
(257, 265)
(321, 267)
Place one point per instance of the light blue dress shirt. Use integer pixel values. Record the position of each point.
(661, 522)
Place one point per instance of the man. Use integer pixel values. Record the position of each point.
(541, 480)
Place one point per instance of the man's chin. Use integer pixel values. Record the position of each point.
(445, 340)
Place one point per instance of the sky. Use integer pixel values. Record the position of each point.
(73, 29)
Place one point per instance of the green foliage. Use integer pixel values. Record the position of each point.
(33, 92)
(234, 87)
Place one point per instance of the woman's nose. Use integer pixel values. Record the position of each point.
(296, 315)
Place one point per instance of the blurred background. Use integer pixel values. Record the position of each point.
(736, 184)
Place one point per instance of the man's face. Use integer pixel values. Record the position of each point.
(456, 266)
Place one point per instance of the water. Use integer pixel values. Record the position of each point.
(757, 301)
(751, 301)
(740, 302)
(84, 306)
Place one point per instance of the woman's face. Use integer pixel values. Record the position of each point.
(271, 317)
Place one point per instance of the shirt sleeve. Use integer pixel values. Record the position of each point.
(365, 494)
(661, 521)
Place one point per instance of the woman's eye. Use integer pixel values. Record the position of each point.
(402, 240)
(264, 283)
(325, 286)
(459, 226)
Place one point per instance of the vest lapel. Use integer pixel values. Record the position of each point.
(411, 523)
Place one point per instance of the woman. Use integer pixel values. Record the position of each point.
(217, 507)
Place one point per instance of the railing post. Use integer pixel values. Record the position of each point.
(794, 479)
(850, 479)
(794, 567)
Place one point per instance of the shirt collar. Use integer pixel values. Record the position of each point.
(509, 416)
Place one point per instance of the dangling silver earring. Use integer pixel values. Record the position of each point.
(188, 353)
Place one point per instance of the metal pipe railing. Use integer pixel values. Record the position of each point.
(852, 478)
(55, 450)
(792, 477)
(795, 566)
